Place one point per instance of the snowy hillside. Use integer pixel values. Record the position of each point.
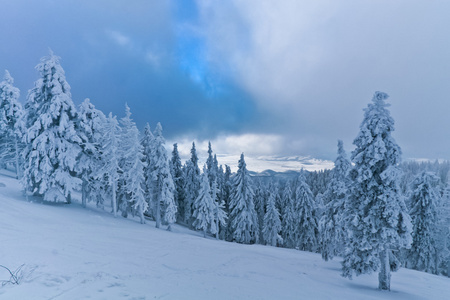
(73, 253)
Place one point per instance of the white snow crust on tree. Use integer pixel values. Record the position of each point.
(377, 219)
(243, 217)
(11, 124)
(331, 225)
(52, 143)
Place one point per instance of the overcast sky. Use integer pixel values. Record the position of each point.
(262, 77)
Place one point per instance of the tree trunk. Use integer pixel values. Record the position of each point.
(113, 199)
(384, 277)
(158, 212)
(18, 171)
(83, 193)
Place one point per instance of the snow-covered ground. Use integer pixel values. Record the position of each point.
(73, 253)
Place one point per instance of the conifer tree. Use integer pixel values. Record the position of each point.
(226, 199)
(90, 125)
(289, 225)
(110, 158)
(204, 207)
(132, 168)
(376, 217)
(331, 223)
(192, 184)
(424, 255)
(163, 188)
(178, 179)
(272, 223)
(11, 123)
(52, 143)
(220, 216)
(243, 217)
(307, 223)
(148, 159)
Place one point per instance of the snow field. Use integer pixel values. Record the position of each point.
(75, 253)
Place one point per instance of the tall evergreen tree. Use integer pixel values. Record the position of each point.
(204, 207)
(307, 223)
(289, 225)
(163, 188)
(178, 179)
(377, 218)
(220, 216)
(110, 158)
(90, 125)
(192, 184)
(148, 144)
(424, 199)
(53, 144)
(243, 217)
(332, 228)
(272, 223)
(11, 123)
(132, 168)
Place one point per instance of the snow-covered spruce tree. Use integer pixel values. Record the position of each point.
(288, 224)
(244, 221)
(307, 223)
(272, 223)
(424, 255)
(11, 124)
(261, 194)
(132, 168)
(178, 179)
(220, 216)
(148, 159)
(110, 158)
(52, 143)
(162, 187)
(226, 198)
(204, 207)
(331, 225)
(89, 125)
(211, 165)
(192, 185)
(377, 220)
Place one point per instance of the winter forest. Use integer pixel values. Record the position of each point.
(373, 210)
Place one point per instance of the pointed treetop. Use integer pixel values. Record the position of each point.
(147, 130)
(127, 111)
(158, 130)
(242, 164)
(7, 78)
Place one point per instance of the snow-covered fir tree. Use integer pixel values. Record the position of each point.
(52, 143)
(11, 124)
(226, 199)
(288, 224)
(220, 216)
(90, 125)
(243, 217)
(306, 220)
(272, 223)
(132, 168)
(204, 207)
(424, 201)
(211, 165)
(331, 226)
(377, 220)
(261, 194)
(192, 184)
(109, 170)
(178, 178)
(162, 187)
(148, 143)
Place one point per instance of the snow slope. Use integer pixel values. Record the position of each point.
(75, 253)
